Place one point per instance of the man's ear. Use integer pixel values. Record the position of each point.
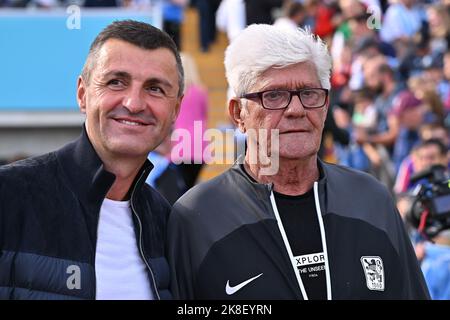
(235, 113)
(81, 94)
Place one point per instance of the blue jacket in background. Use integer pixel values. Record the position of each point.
(436, 270)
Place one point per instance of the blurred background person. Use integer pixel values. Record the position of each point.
(173, 16)
(411, 164)
(165, 176)
(207, 22)
(439, 24)
(436, 266)
(136, 4)
(446, 98)
(402, 21)
(423, 156)
(433, 251)
(408, 114)
(101, 3)
(293, 15)
(230, 17)
(193, 117)
(380, 78)
(364, 120)
(428, 153)
(261, 11)
(426, 90)
(323, 17)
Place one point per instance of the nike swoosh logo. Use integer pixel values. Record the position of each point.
(232, 290)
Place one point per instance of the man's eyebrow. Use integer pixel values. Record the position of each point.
(306, 85)
(289, 86)
(126, 75)
(117, 73)
(159, 81)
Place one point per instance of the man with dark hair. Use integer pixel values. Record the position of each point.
(430, 152)
(380, 78)
(80, 222)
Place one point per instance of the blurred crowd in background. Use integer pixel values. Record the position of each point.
(389, 112)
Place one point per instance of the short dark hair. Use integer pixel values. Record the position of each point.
(433, 142)
(140, 34)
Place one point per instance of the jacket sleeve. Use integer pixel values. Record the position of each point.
(180, 259)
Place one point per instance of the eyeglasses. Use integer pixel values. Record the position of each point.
(310, 98)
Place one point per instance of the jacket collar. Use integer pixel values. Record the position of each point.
(280, 259)
(238, 168)
(85, 171)
(263, 190)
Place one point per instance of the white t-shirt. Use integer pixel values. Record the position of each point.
(120, 271)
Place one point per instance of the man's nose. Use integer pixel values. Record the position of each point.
(134, 100)
(295, 107)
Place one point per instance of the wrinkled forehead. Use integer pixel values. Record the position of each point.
(120, 49)
(293, 76)
(117, 54)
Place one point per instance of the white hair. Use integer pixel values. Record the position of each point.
(261, 46)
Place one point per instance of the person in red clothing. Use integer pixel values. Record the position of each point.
(327, 19)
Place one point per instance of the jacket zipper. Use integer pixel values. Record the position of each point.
(141, 250)
(95, 256)
(95, 253)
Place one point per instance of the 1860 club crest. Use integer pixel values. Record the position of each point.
(374, 272)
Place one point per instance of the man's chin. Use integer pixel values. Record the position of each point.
(129, 150)
(296, 154)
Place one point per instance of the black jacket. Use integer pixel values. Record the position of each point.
(225, 232)
(49, 212)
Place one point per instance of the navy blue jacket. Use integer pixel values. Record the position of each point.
(49, 212)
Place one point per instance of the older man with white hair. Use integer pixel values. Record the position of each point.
(282, 224)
